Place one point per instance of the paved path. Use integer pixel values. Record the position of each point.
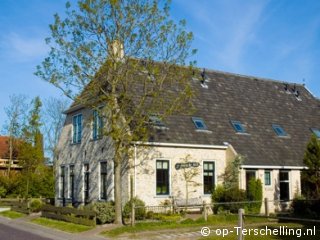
(23, 225)
(10, 233)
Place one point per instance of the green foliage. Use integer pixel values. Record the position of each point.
(104, 210)
(254, 193)
(3, 191)
(222, 195)
(311, 177)
(140, 211)
(231, 174)
(35, 205)
(306, 208)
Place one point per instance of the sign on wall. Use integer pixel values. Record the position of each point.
(186, 165)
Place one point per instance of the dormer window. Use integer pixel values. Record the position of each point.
(279, 130)
(238, 127)
(316, 131)
(199, 123)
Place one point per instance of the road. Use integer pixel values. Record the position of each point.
(10, 233)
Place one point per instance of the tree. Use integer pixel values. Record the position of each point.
(311, 176)
(232, 173)
(54, 120)
(127, 55)
(15, 122)
(189, 172)
(31, 152)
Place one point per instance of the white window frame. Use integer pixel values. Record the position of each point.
(72, 136)
(155, 178)
(202, 178)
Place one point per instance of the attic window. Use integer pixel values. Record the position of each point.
(279, 130)
(238, 126)
(156, 121)
(316, 132)
(199, 123)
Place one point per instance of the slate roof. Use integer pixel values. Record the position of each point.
(257, 103)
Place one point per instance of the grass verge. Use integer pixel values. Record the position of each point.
(61, 225)
(12, 214)
(216, 220)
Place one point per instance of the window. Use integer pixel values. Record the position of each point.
(62, 181)
(316, 131)
(86, 182)
(162, 177)
(103, 180)
(77, 128)
(199, 123)
(97, 125)
(267, 178)
(238, 126)
(279, 130)
(284, 185)
(71, 180)
(156, 121)
(208, 177)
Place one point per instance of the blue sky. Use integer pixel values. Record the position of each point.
(272, 39)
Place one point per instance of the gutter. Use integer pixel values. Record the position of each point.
(180, 145)
(273, 167)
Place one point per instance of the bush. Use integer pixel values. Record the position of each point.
(105, 211)
(306, 208)
(3, 192)
(254, 193)
(35, 205)
(222, 194)
(140, 212)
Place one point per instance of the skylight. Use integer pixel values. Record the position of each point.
(316, 132)
(199, 123)
(238, 126)
(156, 121)
(279, 130)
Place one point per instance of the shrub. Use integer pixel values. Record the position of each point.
(105, 211)
(306, 208)
(35, 205)
(3, 192)
(140, 211)
(254, 193)
(222, 195)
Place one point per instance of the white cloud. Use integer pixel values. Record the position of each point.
(21, 48)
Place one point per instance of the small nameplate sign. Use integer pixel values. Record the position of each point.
(186, 165)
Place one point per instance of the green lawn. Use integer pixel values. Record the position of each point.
(61, 225)
(216, 220)
(12, 214)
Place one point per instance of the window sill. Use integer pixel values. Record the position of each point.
(162, 196)
(72, 143)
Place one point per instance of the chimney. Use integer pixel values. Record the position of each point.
(116, 50)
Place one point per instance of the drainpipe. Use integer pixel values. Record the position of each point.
(134, 170)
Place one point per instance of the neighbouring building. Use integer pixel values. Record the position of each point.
(267, 122)
(5, 156)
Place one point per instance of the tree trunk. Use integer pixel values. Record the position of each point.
(117, 191)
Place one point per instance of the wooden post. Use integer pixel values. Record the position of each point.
(266, 207)
(240, 223)
(205, 212)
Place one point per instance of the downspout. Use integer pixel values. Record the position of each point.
(134, 170)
